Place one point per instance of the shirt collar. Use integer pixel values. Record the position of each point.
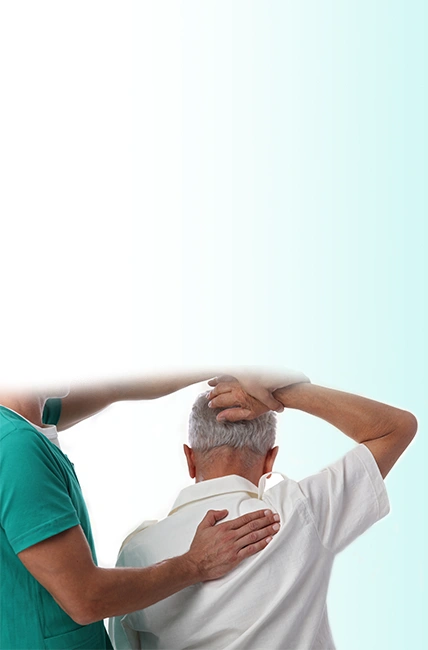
(214, 487)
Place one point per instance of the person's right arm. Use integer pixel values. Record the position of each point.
(63, 565)
(84, 401)
(385, 430)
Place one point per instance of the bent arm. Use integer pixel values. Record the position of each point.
(63, 564)
(384, 429)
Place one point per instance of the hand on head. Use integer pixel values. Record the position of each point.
(235, 402)
(250, 393)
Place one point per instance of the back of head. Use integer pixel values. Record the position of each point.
(206, 432)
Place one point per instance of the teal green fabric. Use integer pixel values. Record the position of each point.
(52, 411)
(40, 496)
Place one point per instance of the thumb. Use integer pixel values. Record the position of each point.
(212, 517)
(233, 415)
(267, 398)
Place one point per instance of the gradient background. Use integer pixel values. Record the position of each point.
(223, 182)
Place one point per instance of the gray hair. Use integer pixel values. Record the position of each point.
(205, 432)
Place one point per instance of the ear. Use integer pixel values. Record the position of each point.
(188, 452)
(270, 459)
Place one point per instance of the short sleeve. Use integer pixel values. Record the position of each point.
(346, 498)
(52, 411)
(34, 500)
(123, 636)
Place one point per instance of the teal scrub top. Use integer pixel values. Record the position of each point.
(40, 496)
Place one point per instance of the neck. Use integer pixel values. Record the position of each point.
(29, 406)
(229, 463)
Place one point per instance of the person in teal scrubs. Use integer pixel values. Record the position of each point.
(53, 594)
(40, 498)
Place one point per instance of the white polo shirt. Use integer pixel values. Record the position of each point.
(276, 599)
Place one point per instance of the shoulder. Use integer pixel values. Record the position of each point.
(354, 468)
(133, 539)
(358, 462)
(19, 438)
(355, 474)
(346, 498)
(11, 422)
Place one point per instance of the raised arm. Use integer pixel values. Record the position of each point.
(384, 429)
(86, 400)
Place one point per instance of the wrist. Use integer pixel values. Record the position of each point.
(188, 569)
(291, 396)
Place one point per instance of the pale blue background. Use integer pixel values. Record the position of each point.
(304, 200)
(218, 182)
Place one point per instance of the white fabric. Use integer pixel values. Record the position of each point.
(275, 600)
(50, 432)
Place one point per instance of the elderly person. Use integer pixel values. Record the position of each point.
(276, 599)
(53, 594)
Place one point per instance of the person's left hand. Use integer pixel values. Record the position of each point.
(237, 404)
(261, 384)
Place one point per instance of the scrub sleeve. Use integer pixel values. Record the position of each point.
(40, 496)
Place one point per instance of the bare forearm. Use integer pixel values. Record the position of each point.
(84, 401)
(159, 385)
(385, 430)
(63, 564)
(115, 592)
(359, 418)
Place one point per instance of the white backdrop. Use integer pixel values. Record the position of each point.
(204, 182)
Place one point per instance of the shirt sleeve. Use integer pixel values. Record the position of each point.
(346, 498)
(34, 500)
(123, 636)
(52, 411)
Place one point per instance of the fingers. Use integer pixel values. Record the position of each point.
(256, 533)
(252, 520)
(252, 549)
(225, 400)
(260, 535)
(236, 403)
(212, 517)
(221, 387)
(236, 415)
(215, 550)
(224, 394)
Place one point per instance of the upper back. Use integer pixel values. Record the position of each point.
(276, 598)
(246, 607)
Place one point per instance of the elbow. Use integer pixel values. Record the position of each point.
(84, 609)
(79, 612)
(83, 616)
(86, 602)
(408, 425)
